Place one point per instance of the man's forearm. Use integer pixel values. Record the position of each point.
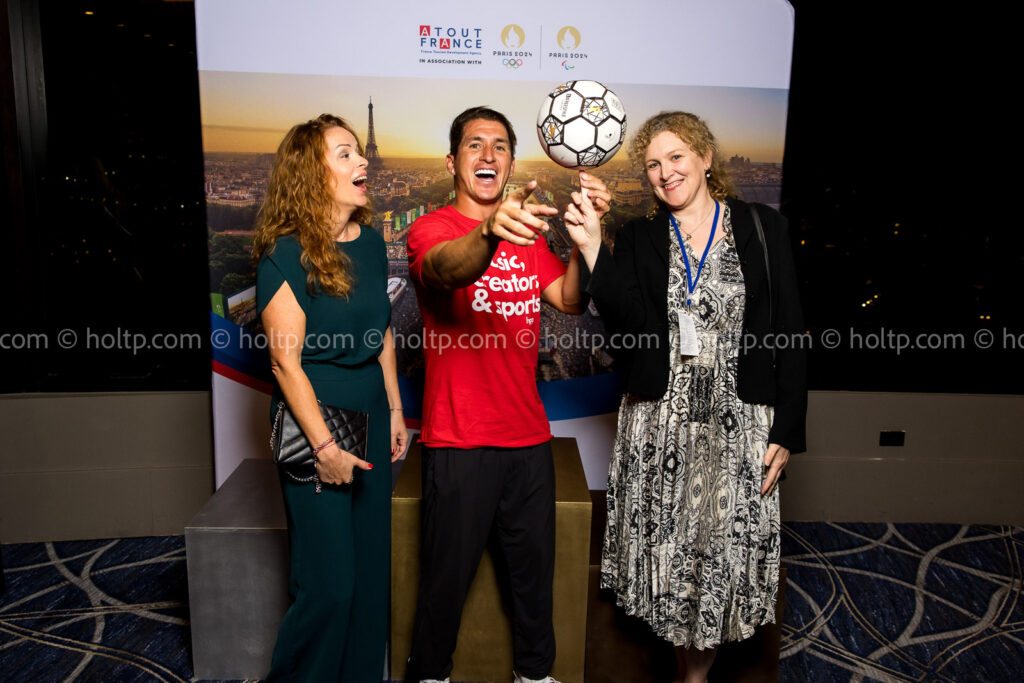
(460, 262)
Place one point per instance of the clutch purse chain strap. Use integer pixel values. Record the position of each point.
(278, 423)
(348, 429)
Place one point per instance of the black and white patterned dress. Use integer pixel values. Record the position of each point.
(691, 546)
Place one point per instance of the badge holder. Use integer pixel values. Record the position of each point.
(688, 344)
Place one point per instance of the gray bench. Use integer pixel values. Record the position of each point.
(237, 555)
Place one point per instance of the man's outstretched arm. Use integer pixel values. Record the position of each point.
(460, 262)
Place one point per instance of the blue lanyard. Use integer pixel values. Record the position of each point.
(691, 282)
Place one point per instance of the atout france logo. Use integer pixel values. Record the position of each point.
(450, 37)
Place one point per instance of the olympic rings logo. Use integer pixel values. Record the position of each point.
(512, 63)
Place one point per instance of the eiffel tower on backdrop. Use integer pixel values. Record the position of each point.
(375, 163)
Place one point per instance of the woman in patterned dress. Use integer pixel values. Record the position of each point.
(711, 336)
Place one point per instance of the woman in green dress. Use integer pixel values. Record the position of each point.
(321, 289)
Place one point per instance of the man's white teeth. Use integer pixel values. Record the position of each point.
(486, 173)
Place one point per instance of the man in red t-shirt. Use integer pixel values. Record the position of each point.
(481, 268)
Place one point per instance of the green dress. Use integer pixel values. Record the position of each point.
(336, 628)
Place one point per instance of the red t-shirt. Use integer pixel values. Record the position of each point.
(480, 342)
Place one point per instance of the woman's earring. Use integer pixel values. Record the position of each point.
(707, 174)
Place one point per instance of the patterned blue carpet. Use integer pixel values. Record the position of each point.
(903, 602)
(865, 602)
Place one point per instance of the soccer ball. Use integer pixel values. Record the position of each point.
(581, 124)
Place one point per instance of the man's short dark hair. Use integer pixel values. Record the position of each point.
(455, 134)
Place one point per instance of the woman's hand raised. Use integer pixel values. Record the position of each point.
(584, 225)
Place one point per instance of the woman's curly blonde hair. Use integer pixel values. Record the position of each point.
(299, 202)
(692, 130)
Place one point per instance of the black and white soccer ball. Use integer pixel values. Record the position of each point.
(581, 124)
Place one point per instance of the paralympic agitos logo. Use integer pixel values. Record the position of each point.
(450, 37)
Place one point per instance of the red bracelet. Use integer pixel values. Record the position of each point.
(325, 444)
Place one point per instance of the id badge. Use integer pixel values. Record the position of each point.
(688, 345)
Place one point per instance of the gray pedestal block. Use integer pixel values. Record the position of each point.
(237, 556)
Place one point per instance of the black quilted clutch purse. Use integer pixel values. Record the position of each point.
(293, 452)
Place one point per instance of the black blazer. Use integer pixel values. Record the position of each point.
(630, 290)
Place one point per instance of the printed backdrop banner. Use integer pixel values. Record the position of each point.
(399, 72)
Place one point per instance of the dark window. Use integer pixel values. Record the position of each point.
(115, 203)
(900, 223)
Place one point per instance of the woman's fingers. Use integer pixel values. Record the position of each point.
(340, 469)
(775, 459)
(770, 479)
(399, 439)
